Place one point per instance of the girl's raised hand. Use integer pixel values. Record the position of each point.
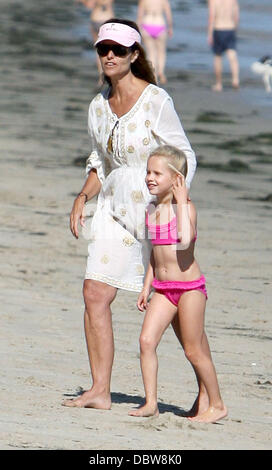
(179, 189)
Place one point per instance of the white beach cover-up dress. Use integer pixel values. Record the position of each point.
(118, 251)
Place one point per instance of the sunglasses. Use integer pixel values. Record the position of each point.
(117, 49)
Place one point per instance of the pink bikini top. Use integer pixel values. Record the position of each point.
(164, 234)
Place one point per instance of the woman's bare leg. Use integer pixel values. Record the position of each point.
(158, 316)
(191, 311)
(150, 46)
(161, 56)
(100, 344)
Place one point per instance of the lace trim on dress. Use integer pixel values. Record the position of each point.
(114, 282)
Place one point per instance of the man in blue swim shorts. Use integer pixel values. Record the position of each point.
(223, 22)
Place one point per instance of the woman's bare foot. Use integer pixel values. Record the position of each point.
(217, 87)
(90, 400)
(145, 411)
(211, 415)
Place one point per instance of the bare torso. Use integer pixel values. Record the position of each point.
(173, 263)
(101, 10)
(153, 12)
(224, 14)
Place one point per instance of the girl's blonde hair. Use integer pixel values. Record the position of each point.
(173, 155)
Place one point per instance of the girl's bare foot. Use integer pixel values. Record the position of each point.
(90, 400)
(145, 411)
(200, 405)
(211, 415)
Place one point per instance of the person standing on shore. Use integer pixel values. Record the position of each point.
(156, 24)
(101, 11)
(126, 122)
(179, 285)
(222, 25)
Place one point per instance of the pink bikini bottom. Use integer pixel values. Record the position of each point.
(173, 290)
(154, 30)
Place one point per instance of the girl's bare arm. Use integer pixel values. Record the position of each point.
(143, 296)
(186, 213)
(149, 277)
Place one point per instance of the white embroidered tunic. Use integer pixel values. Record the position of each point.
(118, 249)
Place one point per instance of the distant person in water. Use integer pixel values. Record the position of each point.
(222, 26)
(101, 11)
(155, 22)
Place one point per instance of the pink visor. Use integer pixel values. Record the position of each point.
(118, 32)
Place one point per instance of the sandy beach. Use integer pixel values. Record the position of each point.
(47, 84)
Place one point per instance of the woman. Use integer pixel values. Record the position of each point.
(101, 11)
(151, 19)
(126, 122)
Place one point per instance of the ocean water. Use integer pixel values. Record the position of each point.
(188, 49)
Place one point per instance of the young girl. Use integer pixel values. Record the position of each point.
(179, 285)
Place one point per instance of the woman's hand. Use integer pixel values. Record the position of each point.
(90, 189)
(77, 215)
(180, 191)
(142, 303)
(170, 31)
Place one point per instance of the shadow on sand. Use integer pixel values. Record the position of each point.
(118, 397)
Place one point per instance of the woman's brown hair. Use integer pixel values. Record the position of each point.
(141, 67)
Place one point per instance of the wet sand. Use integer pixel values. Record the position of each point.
(48, 83)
